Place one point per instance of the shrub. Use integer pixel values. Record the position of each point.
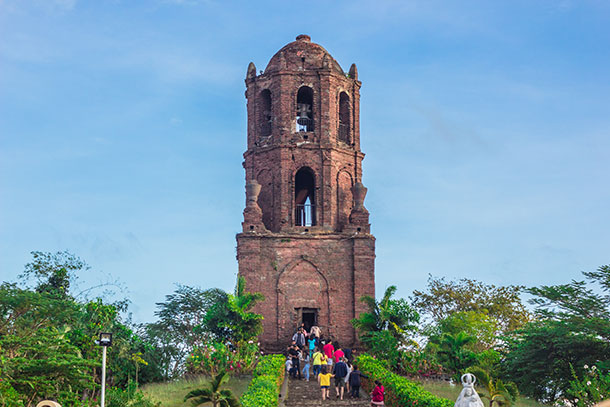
(418, 363)
(216, 357)
(130, 396)
(591, 389)
(384, 345)
(399, 390)
(265, 386)
(262, 391)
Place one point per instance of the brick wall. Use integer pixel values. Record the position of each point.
(326, 272)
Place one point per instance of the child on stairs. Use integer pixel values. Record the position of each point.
(324, 380)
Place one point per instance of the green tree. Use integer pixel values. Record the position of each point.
(44, 364)
(538, 357)
(23, 311)
(482, 327)
(583, 304)
(498, 393)
(443, 298)
(47, 337)
(244, 324)
(572, 329)
(393, 315)
(453, 352)
(214, 393)
(182, 325)
(53, 272)
(233, 318)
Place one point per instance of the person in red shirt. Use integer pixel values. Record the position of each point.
(378, 395)
(329, 350)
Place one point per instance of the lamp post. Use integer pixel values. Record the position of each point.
(104, 341)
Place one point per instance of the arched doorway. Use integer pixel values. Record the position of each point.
(302, 298)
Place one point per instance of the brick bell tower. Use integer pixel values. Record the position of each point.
(306, 242)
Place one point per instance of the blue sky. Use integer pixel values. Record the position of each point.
(486, 127)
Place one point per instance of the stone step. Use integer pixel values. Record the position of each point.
(302, 393)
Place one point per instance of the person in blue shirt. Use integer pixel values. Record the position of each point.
(312, 345)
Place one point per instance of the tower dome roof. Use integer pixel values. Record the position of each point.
(302, 54)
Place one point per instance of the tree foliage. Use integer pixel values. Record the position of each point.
(182, 325)
(191, 317)
(571, 331)
(584, 304)
(53, 272)
(244, 325)
(480, 325)
(387, 314)
(453, 352)
(47, 337)
(45, 364)
(591, 388)
(538, 358)
(443, 298)
(233, 319)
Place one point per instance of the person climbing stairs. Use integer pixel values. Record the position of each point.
(303, 393)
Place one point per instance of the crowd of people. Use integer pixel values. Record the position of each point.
(329, 361)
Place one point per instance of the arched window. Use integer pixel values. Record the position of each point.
(305, 109)
(304, 198)
(266, 118)
(344, 118)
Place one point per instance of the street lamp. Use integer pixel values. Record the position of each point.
(104, 341)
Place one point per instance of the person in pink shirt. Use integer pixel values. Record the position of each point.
(338, 355)
(378, 395)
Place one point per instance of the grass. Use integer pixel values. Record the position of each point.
(451, 392)
(171, 394)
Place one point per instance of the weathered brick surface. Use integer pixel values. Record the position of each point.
(330, 265)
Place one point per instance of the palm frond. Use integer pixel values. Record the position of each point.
(389, 292)
(218, 380)
(511, 388)
(228, 398)
(369, 301)
(482, 376)
(200, 396)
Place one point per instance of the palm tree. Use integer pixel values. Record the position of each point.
(454, 354)
(498, 393)
(388, 314)
(244, 324)
(214, 394)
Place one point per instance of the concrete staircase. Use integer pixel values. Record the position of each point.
(302, 393)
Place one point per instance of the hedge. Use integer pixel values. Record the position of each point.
(399, 390)
(264, 389)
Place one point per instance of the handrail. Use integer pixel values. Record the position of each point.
(305, 215)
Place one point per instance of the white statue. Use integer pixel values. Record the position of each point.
(468, 397)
